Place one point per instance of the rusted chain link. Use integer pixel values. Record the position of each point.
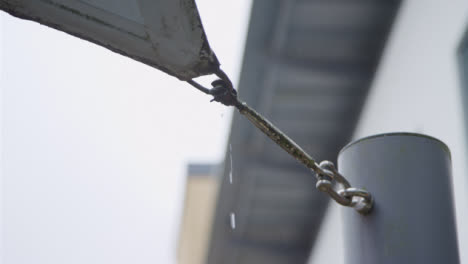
(361, 200)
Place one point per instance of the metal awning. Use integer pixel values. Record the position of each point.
(165, 34)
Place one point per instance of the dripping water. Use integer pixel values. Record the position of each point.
(230, 168)
(233, 220)
(232, 215)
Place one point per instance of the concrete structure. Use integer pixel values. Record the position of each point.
(201, 190)
(307, 67)
(417, 88)
(413, 217)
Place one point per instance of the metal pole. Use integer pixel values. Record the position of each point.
(413, 219)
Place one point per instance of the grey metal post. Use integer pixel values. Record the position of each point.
(413, 219)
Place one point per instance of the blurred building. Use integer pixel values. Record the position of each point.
(308, 66)
(328, 72)
(201, 189)
(325, 72)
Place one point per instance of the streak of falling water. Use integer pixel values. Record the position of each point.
(232, 216)
(233, 220)
(230, 168)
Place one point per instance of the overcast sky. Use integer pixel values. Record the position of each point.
(95, 145)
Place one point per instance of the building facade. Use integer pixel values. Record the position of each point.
(420, 86)
(201, 190)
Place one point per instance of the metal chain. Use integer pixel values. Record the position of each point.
(359, 199)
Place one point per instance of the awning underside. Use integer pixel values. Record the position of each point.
(165, 34)
(308, 66)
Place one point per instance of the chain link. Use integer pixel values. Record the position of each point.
(359, 199)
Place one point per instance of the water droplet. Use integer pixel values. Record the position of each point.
(233, 221)
(230, 168)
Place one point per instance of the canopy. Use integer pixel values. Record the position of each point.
(165, 34)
